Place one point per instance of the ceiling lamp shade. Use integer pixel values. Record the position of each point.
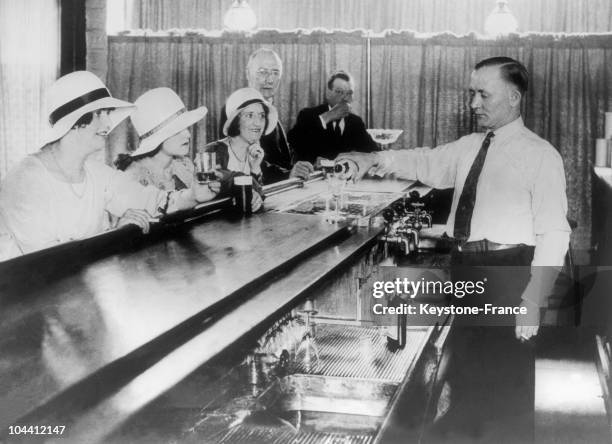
(501, 21)
(240, 17)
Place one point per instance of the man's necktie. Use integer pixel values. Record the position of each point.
(465, 207)
(337, 130)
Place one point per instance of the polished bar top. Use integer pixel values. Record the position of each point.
(277, 297)
(66, 328)
(95, 319)
(282, 200)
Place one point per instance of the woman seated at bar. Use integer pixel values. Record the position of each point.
(161, 159)
(62, 193)
(249, 117)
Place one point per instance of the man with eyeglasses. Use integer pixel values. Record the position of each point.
(264, 71)
(331, 128)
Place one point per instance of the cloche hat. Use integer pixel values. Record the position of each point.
(74, 95)
(244, 97)
(160, 114)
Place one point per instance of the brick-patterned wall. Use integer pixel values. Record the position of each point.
(97, 46)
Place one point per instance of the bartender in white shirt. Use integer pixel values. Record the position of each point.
(520, 196)
(509, 208)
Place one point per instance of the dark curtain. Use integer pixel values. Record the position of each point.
(418, 85)
(73, 47)
(460, 17)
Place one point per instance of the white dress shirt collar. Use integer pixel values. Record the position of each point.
(337, 122)
(508, 130)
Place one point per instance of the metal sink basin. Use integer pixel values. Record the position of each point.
(327, 394)
(305, 406)
(345, 398)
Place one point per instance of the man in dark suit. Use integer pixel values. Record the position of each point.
(264, 70)
(331, 128)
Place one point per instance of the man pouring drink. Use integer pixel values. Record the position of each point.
(509, 209)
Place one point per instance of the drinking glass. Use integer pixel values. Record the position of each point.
(205, 164)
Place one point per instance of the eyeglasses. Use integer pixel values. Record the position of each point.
(265, 73)
(343, 92)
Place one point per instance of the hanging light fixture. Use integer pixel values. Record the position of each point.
(501, 21)
(240, 17)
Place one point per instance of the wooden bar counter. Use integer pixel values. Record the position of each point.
(93, 331)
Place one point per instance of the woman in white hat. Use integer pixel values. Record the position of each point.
(162, 123)
(60, 193)
(249, 117)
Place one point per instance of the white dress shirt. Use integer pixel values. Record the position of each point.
(520, 193)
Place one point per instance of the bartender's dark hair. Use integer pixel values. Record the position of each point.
(338, 75)
(512, 71)
(124, 160)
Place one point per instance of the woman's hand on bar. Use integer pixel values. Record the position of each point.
(140, 218)
(203, 192)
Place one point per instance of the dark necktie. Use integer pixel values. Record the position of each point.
(465, 207)
(337, 130)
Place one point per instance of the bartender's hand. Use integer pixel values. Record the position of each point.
(528, 324)
(255, 155)
(139, 218)
(203, 192)
(358, 164)
(340, 111)
(301, 170)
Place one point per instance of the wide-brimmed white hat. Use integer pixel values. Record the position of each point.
(74, 95)
(243, 97)
(160, 114)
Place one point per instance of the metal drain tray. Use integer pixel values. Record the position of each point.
(344, 399)
(361, 353)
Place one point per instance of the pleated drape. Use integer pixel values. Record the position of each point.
(460, 17)
(206, 70)
(417, 84)
(421, 88)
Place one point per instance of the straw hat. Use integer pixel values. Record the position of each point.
(75, 95)
(244, 97)
(160, 114)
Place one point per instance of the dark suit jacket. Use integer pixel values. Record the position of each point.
(278, 157)
(309, 139)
